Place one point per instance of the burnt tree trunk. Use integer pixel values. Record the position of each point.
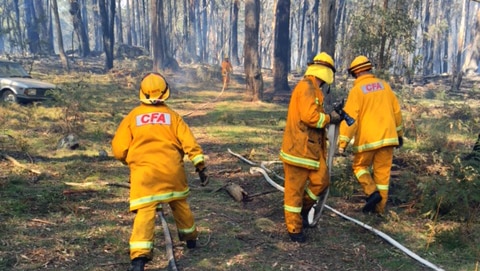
(79, 28)
(253, 73)
(234, 58)
(281, 47)
(327, 31)
(58, 28)
(107, 18)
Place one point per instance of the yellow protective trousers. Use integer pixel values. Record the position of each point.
(142, 238)
(302, 187)
(372, 170)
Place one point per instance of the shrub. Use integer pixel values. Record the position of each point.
(455, 195)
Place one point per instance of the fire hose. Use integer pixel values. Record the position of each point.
(256, 169)
(168, 242)
(207, 103)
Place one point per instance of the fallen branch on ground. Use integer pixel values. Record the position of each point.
(18, 164)
(101, 183)
(42, 221)
(261, 193)
(73, 192)
(236, 191)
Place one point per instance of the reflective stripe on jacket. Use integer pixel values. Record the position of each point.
(378, 118)
(304, 135)
(153, 140)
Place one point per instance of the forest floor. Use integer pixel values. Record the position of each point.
(74, 216)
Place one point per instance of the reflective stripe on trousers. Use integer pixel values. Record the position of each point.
(372, 170)
(301, 193)
(142, 237)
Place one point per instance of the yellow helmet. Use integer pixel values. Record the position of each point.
(360, 64)
(322, 67)
(154, 89)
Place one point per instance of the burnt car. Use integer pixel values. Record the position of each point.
(16, 84)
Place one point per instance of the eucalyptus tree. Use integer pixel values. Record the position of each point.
(253, 72)
(281, 46)
(43, 20)
(118, 23)
(107, 15)
(472, 56)
(33, 38)
(327, 32)
(234, 53)
(379, 31)
(79, 28)
(457, 74)
(191, 33)
(162, 57)
(58, 28)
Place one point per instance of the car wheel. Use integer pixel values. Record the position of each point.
(9, 97)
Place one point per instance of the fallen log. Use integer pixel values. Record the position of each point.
(236, 191)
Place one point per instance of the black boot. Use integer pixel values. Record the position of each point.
(191, 243)
(304, 215)
(298, 237)
(372, 201)
(138, 264)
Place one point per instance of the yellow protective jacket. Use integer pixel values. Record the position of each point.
(304, 136)
(378, 119)
(226, 67)
(152, 140)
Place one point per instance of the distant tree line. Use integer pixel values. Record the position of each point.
(402, 37)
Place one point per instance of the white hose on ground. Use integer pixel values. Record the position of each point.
(264, 165)
(207, 103)
(377, 232)
(265, 175)
(388, 239)
(168, 242)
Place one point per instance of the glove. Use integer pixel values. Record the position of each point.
(202, 173)
(400, 142)
(335, 118)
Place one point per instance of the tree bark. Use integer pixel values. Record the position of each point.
(204, 31)
(58, 28)
(383, 40)
(33, 39)
(107, 18)
(119, 23)
(234, 58)
(42, 20)
(328, 27)
(281, 49)
(457, 74)
(253, 74)
(427, 59)
(473, 54)
(192, 37)
(162, 57)
(84, 47)
(128, 23)
(316, 29)
(328, 38)
(157, 45)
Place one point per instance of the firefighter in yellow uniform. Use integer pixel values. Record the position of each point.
(227, 69)
(377, 130)
(303, 151)
(153, 139)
